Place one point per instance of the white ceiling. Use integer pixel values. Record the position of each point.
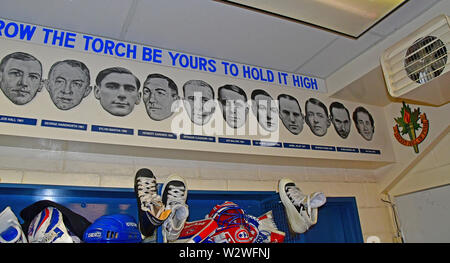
(213, 29)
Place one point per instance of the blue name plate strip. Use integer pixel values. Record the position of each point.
(158, 134)
(347, 149)
(370, 151)
(296, 146)
(64, 125)
(267, 144)
(197, 138)
(17, 120)
(323, 148)
(234, 141)
(108, 129)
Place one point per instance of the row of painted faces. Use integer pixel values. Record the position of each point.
(118, 91)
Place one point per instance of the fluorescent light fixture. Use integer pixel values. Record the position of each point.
(347, 17)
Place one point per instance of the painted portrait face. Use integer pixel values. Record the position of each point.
(118, 93)
(341, 121)
(364, 125)
(158, 98)
(199, 103)
(67, 86)
(318, 120)
(21, 80)
(266, 112)
(291, 115)
(234, 108)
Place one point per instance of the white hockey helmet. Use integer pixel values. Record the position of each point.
(48, 227)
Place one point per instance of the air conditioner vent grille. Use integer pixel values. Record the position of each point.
(411, 65)
(425, 59)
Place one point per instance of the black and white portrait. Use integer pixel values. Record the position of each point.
(364, 123)
(233, 102)
(159, 94)
(117, 89)
(290, 113)
(68, 83)
(199, 101)
(265, 110)
(340, 117)
(317, 117)
(20, 77)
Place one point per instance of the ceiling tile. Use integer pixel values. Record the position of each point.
(101, 18)
(407, 12)
(338, 54)
(216, 30)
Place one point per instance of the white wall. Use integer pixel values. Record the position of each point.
(406, 159)
(424, 215)
(432, 171)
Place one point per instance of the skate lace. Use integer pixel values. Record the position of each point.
(175, 195)
(147, 191)
(296, 196)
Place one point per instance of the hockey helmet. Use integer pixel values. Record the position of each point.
(48, 227)
(228, 214)
(116, 228)
(234, 225)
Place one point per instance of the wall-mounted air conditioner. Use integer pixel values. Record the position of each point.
(417, 67)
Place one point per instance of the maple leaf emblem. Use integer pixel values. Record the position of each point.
(408, 123)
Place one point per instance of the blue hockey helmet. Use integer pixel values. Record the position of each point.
(116, 228)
